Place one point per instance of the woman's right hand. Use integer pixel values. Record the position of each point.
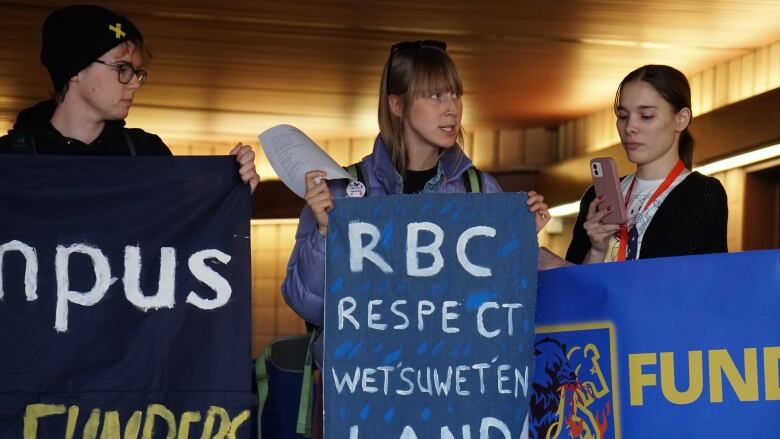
(598, 232)
(319, 199)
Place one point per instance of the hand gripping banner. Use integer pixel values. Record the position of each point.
(124, 298)
(684, 347)
(429, 316)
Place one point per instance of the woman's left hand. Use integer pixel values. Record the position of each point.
(539, 209)
(246, 165)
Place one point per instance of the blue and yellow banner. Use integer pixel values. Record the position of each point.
(124, 298)
(684, 347)
(429, 316)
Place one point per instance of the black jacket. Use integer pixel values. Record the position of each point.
(692, 220)
(33, 133)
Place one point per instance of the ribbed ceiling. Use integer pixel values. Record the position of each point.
(229, 69)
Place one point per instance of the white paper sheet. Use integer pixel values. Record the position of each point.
(292, 154)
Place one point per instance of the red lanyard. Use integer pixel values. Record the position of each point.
(673, 174)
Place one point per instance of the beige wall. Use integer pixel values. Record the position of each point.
(271, 317)
(491, 150)
(558, 243)
(720, 85)
(734, 183)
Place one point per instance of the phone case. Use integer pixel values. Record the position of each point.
(604, 172)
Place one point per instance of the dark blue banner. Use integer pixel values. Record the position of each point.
(685, 347)
(429, 316)
(124, 298)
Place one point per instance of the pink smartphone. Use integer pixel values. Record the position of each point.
(607, 184)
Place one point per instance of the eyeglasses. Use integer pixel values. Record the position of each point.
(126, 72)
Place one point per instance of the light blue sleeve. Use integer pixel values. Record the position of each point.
(490, 185)
(304, 283)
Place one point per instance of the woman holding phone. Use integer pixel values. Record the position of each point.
(671, 210)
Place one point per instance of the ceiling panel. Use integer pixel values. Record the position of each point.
(229, 69)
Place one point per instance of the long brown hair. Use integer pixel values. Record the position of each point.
(413, 70)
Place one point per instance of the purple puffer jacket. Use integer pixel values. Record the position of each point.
(304, 285)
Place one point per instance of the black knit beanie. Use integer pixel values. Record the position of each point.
(75, 36)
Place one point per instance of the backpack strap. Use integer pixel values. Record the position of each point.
(305, 406)
(261, 376)
(356, 171)
(472, 180)
(22, 143)
(353, 170)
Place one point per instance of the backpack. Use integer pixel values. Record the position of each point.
(283, 373)
(472, 178)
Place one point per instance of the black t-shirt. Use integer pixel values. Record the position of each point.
(414, 181)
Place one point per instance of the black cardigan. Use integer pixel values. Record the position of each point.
(691, 220)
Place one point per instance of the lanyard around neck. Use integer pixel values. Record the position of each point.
(670, 177)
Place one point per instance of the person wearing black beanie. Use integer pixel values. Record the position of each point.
(94, 57)
(75, 36)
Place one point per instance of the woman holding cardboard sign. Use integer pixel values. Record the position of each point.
(671, 210)
(417, 151)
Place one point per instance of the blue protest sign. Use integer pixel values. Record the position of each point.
(124, 298)
(429, 316)
(671, 347)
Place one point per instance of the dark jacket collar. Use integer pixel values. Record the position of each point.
(36, 121)
(452, 164)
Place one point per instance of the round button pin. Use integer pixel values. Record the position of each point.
(356, 189)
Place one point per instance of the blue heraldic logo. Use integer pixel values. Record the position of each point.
(575, 384)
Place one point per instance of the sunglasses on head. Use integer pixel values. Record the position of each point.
(410, 46)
